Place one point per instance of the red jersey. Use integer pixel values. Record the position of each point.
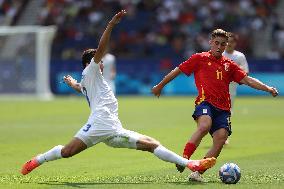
(212, 78)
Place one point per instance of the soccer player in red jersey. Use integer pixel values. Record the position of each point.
(213, 74)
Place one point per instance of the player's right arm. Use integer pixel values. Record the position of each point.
(101, 50)
(187, 67)
(157, 89)
(69, 80)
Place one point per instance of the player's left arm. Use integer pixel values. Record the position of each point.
(69, 80)
(102, 47)
(255, 83)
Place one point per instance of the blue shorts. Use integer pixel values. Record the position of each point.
(220, 118)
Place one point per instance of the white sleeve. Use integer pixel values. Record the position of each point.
(244, 63)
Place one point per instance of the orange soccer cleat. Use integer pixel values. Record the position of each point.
(29, 166)
(201, 165)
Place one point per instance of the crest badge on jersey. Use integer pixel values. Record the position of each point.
(226, 67)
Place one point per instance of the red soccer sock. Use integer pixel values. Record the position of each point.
(189, 150)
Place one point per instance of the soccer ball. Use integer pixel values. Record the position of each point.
(230, 173)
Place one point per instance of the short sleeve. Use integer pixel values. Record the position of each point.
(238, 73)
(190, 65)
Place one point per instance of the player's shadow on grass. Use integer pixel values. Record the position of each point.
(86, 184)
(192, 183)
(207, 147)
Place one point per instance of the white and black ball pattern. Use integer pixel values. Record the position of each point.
(230, 173)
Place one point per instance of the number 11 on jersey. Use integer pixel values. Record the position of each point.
(219, 74)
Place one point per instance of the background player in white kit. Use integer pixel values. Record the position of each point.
(109, 71)
(103, 124)
(238, 58)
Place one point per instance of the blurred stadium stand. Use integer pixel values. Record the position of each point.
(155, 36)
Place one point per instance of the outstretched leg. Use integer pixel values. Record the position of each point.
(146, 143)
(149, 144)
(204, 123)
(57, 152)
(129, 139)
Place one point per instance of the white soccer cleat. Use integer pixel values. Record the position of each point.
(195, 176)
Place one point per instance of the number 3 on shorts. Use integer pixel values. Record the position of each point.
(88, 126)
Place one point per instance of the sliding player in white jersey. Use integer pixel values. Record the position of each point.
(240, 59)
(103, 124)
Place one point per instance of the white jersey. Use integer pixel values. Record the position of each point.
(239, 58)
(103, 124)
(109, 64)
(98, 93)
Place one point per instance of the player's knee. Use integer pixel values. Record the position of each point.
(203, 129)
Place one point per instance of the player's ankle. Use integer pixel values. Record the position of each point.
(189, 150)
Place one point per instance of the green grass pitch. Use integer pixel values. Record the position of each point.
(31, 127)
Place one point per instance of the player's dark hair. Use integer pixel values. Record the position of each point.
(233, 35)
(87, 56)
(219, 33)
